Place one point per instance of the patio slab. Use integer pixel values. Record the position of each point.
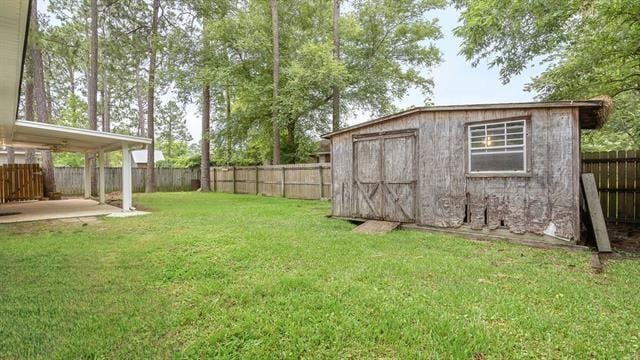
(53, 209)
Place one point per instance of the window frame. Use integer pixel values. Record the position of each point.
(498, 173)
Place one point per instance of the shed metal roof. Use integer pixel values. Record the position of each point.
(590, 117)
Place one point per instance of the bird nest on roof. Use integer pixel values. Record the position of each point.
(605, 110)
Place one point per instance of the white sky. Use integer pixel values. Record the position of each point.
(457, 82)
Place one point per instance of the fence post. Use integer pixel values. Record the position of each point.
(321, 181)
(233, 178)
(214, 179)
(257, 182)
(283, 193)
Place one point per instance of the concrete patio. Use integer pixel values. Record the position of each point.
(53, 209)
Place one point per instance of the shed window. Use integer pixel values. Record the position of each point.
(498, 147)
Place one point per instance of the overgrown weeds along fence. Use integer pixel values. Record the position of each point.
(299, 181)
(69, 180)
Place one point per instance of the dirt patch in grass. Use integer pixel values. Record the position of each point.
(625, 239)
(115, 199)
(57, 225)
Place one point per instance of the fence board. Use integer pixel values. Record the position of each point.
(617, 177)
(298, 181)
(20, 182)
(69, 179)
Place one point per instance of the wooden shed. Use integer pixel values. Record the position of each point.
(514, 167)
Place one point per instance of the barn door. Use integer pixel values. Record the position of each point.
(399, 177)
(384, 174)
(367, 178)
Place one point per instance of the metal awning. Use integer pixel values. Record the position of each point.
(14, 22)
(35, 135)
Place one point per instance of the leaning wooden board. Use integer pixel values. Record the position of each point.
(595, 212)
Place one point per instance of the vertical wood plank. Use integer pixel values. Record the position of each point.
(321, 177)
(602, 182)
(283, 182)
(215, 183)
(636, 187)
(630, 180)
(620, 185)
(613, 185)
(233, 179)
(597, 218)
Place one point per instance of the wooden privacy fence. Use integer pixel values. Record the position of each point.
(617, 176)
(299, 181)
(69, 180)
(20, 182)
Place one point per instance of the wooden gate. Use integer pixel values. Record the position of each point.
(20, 182)
(384, 176)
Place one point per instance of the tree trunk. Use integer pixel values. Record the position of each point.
(151, 181)
(227, 96)
(336, 56)
(276, 82)
(205, 180)
(40, 98)
(291, 138)
(72, 81)
(140, 95)
(30, 154)
(106, 114)
(92, 89)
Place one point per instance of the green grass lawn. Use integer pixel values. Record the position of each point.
(242, 276)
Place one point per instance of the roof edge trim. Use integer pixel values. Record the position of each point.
(593, 104)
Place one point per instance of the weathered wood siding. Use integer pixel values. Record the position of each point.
(446, 195)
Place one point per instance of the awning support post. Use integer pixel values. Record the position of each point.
(126, 177)
(102, 175)
(87, 177)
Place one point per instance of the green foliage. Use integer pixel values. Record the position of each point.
(209, 275)
(72, 112)
(591, 49)
(302, 151)
(191, 162)
(621, 132)
(77, 159)
(68, 159)
(227, 45)
(384, 45)
(172, 135)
